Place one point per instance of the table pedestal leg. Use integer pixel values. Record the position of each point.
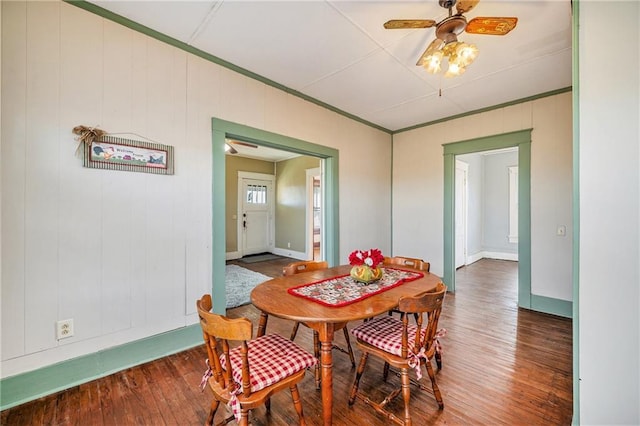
(326, 362)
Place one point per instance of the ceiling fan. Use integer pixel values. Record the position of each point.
(232, 150)
(446, 44)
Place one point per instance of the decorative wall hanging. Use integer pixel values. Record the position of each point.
(86, 135)
(102, 151)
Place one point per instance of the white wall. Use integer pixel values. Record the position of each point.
(126, 254)
(488, 205)
(609, 163)
(496, 205)
(418, 180)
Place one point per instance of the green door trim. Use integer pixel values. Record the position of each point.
(522, 140)
(221, 130)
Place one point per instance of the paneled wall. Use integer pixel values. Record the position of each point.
(125, 254)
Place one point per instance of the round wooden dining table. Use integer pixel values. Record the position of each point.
(272, 298)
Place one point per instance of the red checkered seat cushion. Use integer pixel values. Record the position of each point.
(385, 333)
(271, 359)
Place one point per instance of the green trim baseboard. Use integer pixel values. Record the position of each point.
(549, 305)
(25, 387)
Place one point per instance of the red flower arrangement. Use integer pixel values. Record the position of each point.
(371, 258)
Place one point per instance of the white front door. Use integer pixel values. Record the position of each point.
(256, 215)
(462, 169)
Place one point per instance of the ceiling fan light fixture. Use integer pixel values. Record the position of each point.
(457, 53)
(466, 53)
(432, 63)
(455, 69)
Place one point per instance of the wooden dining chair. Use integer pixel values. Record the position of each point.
(403, 345)
(306, 266)
(409, 262)
(250, 373)
(415, 263)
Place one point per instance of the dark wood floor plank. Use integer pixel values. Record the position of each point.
(185, 382)
(68, 407)
(113, 403)
(502, 366)
(90, 403)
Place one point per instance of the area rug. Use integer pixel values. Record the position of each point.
(259, 258)
(239, 282)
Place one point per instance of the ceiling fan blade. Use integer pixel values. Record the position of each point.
(250, 145)
(463, 6)
(434, 45)
(395, 24)
(491, 25)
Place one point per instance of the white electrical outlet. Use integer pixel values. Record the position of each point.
(64, 329)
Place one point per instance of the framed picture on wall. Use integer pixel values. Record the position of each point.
(114, 153)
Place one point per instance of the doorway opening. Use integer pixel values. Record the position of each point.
(224, 130)
(486, 212)
(452, 152)
(486, 206)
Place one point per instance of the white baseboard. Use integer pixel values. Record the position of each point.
(491, 255)
(474, 258)
(231, 255)
(300, 255)
(501, 256)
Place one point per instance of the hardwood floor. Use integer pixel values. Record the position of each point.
(502, 365)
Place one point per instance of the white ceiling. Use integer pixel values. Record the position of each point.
(337, 51)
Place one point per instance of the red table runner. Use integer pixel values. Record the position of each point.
(344, 290)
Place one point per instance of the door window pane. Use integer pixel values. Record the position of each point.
(256, 194)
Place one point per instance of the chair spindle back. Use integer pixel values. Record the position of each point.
(408, 262)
